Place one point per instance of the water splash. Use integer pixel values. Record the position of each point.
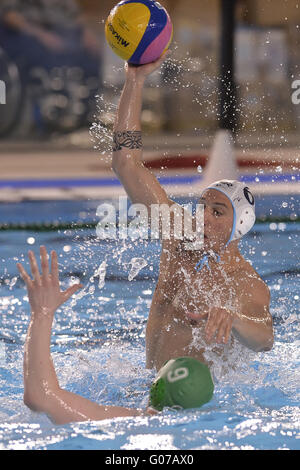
(136, 265)
(100, 272)
(100, 130)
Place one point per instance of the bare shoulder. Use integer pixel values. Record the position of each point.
(252, 286)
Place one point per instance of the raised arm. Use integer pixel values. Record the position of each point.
(42, 392)
(140, 183)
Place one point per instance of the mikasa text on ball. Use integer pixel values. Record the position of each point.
(139, 31)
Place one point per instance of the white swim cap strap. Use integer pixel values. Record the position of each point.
(204, 260)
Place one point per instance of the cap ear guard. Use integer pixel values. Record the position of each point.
(231, 238)
(246, 222)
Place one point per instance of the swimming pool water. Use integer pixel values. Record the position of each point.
(98, 347)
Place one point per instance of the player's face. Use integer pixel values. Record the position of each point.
(218, 218)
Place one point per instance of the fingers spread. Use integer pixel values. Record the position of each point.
(44, 264)
(54, 266)
(34, 268)
(71, 290)
(26, 278)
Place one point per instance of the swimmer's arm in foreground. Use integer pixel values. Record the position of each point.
(42, 392)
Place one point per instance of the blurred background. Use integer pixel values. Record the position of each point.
(63, 84)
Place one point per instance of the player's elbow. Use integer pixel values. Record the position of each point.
(35, 400)
(264, 348)
(32, 403)
(269, 345)
(266, 344)
(38, 406)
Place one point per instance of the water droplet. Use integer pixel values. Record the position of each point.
(136, 265)
(101, 272)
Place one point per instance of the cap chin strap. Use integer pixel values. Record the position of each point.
(233, 226)
(204, 260)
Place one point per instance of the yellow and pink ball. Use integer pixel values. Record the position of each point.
(139, 31)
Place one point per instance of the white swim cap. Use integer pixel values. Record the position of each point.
(243, 206)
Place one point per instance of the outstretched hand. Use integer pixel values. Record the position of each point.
(44, 292)
(142, 71)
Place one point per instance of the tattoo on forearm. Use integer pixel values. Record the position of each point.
(129, 139)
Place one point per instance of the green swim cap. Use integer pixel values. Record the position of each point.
(184, 382)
